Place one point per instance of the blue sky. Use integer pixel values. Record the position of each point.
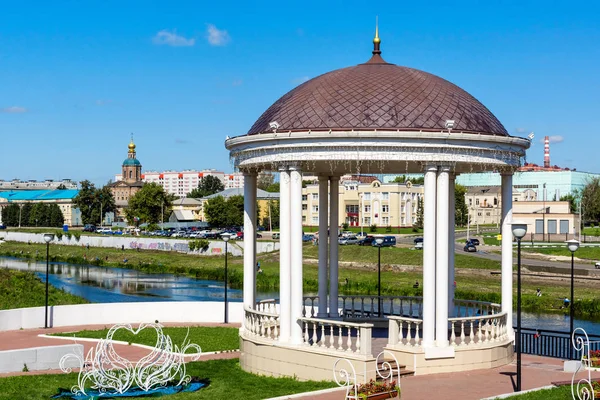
(76, 78)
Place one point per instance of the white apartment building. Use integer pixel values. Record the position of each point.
(48, 184)
(180, 183)
(374, 203)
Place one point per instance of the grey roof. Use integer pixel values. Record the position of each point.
(478, 190)
(187, 201)
(260, 194)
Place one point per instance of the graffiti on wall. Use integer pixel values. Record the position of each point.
(160, 246)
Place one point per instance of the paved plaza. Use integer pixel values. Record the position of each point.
(470, 385)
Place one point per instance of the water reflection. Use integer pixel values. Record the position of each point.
(110, 285)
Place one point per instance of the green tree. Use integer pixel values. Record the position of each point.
(89, 199)
(56, 217)
(419, 221)
(590, 200)
(235, 211)
(461, 212)
(147, 204)
(39, 215)
(10, 215)
(264, 180)
(215, 211)
(208, 185)
(572, 199)
(25, 211)
(274, 187)
(61, 187)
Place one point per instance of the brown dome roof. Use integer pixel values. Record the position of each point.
(378, 95)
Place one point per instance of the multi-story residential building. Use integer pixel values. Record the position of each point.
(366, 204)
(48, 184)
(180, 183)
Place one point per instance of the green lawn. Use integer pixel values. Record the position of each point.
(584, 252)
(208, 338)
(227, 381)
(559, 393)
(19, 289)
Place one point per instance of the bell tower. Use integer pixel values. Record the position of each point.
(132, 168)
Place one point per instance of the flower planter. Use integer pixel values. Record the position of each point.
(380, 396)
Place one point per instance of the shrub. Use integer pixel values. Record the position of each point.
(388, 229)
(77, 235)
(68, 235)
(373, 228)
(345, 226)
(59, 235)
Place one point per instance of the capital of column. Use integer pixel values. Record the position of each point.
(431, 168)
(444, 168)
(334, 178)
(323, 178)
(506, 173)
(294, 167)
(249, 173)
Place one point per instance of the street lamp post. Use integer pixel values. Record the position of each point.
(47, 238)
(379, 242)
(519, 229)
(226, 237)
(572, 245)
(360, 214)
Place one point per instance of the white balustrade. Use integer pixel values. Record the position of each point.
(478, 330)
(267, 305)
(337, 336)
(261, 324)
(404, 331)
(472, 308)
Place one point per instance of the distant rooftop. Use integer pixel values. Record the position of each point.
(39, 195)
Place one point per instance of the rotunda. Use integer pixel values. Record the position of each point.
(378, 118)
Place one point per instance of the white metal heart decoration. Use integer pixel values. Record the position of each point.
(110, 373)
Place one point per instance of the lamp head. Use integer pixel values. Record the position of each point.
(226, 237)
(48, 237)
(572, 245)
(519, 229)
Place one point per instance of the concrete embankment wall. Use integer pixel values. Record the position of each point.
(215, 247)
(112, 313)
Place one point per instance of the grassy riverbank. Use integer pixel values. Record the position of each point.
(208, 338)
(20, 289)
(227, 381)
(473, 275)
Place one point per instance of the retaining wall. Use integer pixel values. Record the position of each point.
(214, 248)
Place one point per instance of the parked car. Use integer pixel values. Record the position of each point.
(89, 228)
(597, 265)
(2, 226)
(418, 240)
(275, 235)
(307, 237)
(348, 240)
(419, 245)
(474, 242)
(470, 247)
(388, 241)
(366, 241)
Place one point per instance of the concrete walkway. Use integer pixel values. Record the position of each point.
(474, 385)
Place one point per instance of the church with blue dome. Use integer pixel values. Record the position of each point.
(129, 183)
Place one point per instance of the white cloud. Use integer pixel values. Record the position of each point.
(217, 37)
(298, 81)
(172, 39)
(14, 110)
(554, 139)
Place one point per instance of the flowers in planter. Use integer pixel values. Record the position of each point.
(594, 360)
(373, 387)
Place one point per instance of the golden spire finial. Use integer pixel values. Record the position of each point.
(376, 39)
(131, 145)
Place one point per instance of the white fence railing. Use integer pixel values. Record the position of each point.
(463, 331)
(337, 336)
(267, 305)
(474, 331)
(365, 306)
(261, 324)
(404, 331)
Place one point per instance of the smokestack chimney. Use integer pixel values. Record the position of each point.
(546, 152)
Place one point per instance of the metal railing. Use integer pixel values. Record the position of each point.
(555, 344)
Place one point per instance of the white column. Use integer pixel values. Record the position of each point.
(441, 259)
(451, 245)
(296, 254)
(249, 240)
(333, 244)
(323, 224)
(284, 256)
(429, 250)
(507, 249)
